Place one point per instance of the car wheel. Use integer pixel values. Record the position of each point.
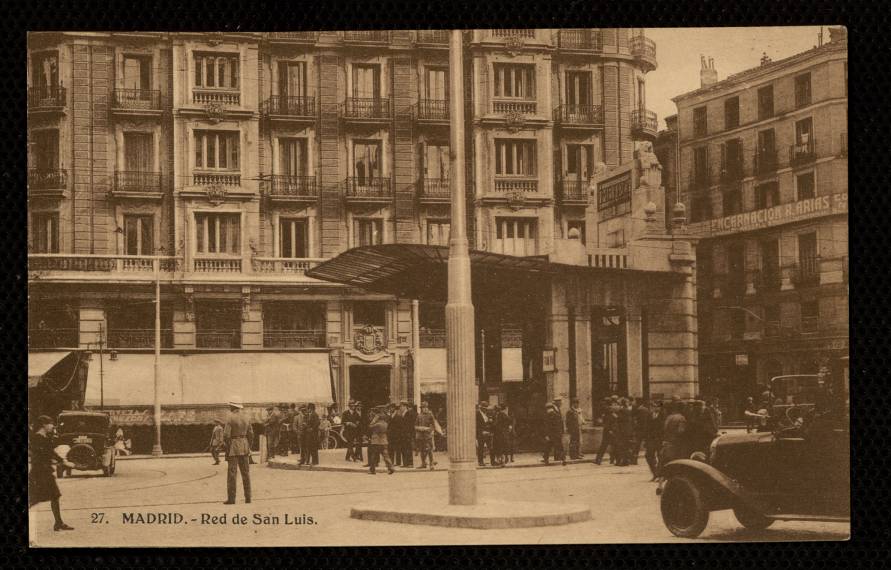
(113, 464)
(751, 519)
(684, 511)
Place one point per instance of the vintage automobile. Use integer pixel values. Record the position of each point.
(796, 468)
(90, 445)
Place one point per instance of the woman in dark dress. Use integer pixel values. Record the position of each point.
(41, 480)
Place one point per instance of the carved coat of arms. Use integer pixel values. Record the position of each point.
(513, 45)
(216, 193)
(514, 121)
(216, 113)
(369, 340)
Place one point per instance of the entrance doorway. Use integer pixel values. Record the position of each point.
(608, 371)
(370, 385)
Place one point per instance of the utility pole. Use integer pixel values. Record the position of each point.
(460, 336)
(156, 448)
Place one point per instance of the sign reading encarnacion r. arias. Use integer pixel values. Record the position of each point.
(775, 216)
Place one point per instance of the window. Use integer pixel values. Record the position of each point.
(514, 157)
(218, 233)
(765, 102)
(731, 113)
(514, 81)
(45, 154)
(700, 166)
(292, 238)
(215, 70)
(515, 236)
(292, 157)
(436, 161)
(700, 121)
(137, 72)
(641, 94)
(766, 142)
(369, 313)
(803, 90)
(217, 324)
(579, 161)
(701, 209)
(139, 152)
(772, 313)
(292, 79)
(138, 235)
(767, 195)
(737, 324)
(45, 73)
(770, 257)
(810, 309)
(438, 232)
(436, 83)
(616, 239)
(45, 233)
(578, 226)
(804, 186)
(803, 131)
(732, 159)
(367, 162)
(368, 231)
(578, 88)
(732, 202)
(736, 269)
(216, 150)
(366, 81)
(807, 251)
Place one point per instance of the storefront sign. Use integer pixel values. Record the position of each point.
(614, 196)
(776, 216)
(742, 359)
(549, 360)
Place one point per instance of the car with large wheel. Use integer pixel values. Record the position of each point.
(87, 437)
(796, 468)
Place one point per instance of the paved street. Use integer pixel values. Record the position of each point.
(623, 502)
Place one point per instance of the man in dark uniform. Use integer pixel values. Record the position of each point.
(377, 448)
(351, 421)
(409, 418)
(574, 422)
(237, 436)
(608, 433)
(310, 437)
(284, 438)
(394, 435)
(273, 430)
(623, 433)
(674, 437)
(641, 417)
(553, 435)
(484, 434)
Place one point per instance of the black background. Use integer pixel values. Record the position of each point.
(869, 213)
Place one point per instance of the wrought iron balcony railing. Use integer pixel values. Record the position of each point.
(293, 339)
(581, 39)
(579, 114)
(366, 108)
(806, 273)
(644, 50)
(43, 179)
(230, 338)
(136, 100)
(365, 187)
(137, 182)
(138, 338)
(644, 123)
(372, 36)
(53, 338)
(291, 186)
(47, 97)
(573, 191)
(289, 106)
(433, 110)
(765, 162)
(802, 153)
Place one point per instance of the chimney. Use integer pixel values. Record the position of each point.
(708, 75)
(765, 59)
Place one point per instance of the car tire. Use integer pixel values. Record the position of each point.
(751, 519)
(113, 464)
(684, 510)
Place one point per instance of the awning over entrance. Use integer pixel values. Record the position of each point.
(196, 380)
(40, 363)
(420, 271)
(432, 370)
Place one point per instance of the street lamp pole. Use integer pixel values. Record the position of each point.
(460, 337)
(156, 448)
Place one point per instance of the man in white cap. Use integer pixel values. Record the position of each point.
(237, 437)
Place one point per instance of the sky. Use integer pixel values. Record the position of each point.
(733, 49)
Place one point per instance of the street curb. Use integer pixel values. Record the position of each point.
(486, 515)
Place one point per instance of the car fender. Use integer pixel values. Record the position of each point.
(723, 491)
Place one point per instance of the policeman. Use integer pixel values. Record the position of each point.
(237, 436)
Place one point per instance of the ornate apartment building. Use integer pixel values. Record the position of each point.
(225, 165)
(763, 171)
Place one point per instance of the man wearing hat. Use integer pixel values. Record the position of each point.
(409, 418)
(484, 434)
(394, 433)
(237, 436)
(377, 447)
(216, 441)
(553, 435)
(574, 421)
(351, 420)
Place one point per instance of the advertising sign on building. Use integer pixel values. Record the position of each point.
(775, 216)
(549, 360)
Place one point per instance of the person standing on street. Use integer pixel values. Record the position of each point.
(751, 414)
(484, 434)
(409, 419)
(553, 435)
(284, 441)
(641, 424)
(351, 421)
(424, 427)
(608, 433)
(377, 448)
(653, 437)
(574, 421)
(394, 435)
(216, 441)
(674, 435)
(42, 484)
(624, 433)
(237, 436)
(273, 431)
(311, 437)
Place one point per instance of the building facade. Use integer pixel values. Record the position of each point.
(763, 172)
(220, 167)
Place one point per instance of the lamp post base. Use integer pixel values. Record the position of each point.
(156, 451)
(462, 483)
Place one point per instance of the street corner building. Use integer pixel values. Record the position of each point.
(760, 161)
(290, 191)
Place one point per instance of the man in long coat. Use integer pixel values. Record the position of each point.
(237, 436)
(553, 435)
(310, 437)
(351, 420)
(574, 421)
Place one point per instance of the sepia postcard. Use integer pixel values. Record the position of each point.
(433, 287)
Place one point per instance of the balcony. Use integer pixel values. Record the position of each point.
(573, 192)
(513, 107)
(502, 33)
(366, 190)
(516, 185)
(765, 162)
(294, 339)
(284, 265)
(130, 184)
(644, 51)
(287, 188)
(435, 191)
(216, 97)
(364, 109)
(138, 338)
(432, 338)
(802, 153)
(767, 280)
(47, 99)
(580, 40)
(843, 145)
(366, 37)
(53, 338)
(433, 111)
(218, 339)
(215, 179)
(571, 115)
(644, 124)
(136, 102)
(100, 267)
(293, 37)
(432, 38)
(47, 183)
(806, 273)
(217, 265)
(291, 108)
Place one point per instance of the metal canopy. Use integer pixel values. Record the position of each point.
(417, 271)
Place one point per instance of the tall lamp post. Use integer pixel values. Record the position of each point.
(460, 393)
(156, 448)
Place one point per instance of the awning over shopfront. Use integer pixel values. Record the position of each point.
(41, 363)
(432, 370)
(419, 271)
(190, 382)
